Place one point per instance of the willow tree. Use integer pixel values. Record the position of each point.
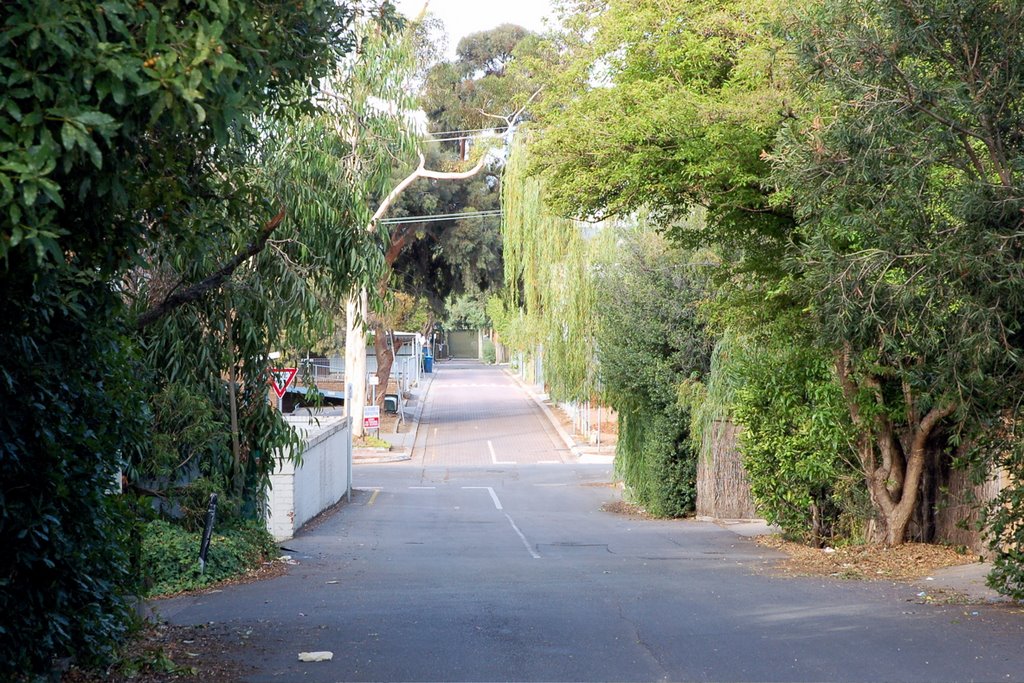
(548, 279)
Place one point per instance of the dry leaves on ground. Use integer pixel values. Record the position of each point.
(184, 654)
(621, 507)
(904, 562)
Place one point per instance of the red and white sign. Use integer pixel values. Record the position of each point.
(280, 378)
(371, 417)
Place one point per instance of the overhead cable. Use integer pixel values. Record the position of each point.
(440, 217)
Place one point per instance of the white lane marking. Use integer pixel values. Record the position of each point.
(494, 496)
(533, 553)
(494, 458)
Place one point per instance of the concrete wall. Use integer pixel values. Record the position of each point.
(464, 343)
(299, 493)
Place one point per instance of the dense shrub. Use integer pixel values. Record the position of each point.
(170, 555)
(999, 448)
(489, 352)
(67, 409)
(796, 439)
(658, 461)
(650, 341)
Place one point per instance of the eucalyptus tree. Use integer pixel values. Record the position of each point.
(463, 99)
(907, 176)
(477, 90)
(325, 169)
(118, 123)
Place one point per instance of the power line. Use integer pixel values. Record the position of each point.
(464, 137)
(440, 217)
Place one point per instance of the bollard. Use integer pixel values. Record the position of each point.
(211, 513)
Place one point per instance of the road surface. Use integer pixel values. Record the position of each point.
(488, 557)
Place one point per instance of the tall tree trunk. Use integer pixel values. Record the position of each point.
(386, 354)
(355, 358)
(893, 457)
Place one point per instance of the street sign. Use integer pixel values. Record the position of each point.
(280, 378)
(374, 380)
(371, 417)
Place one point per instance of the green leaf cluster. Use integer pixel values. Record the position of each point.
(170, 555)
(69, 405)
(650, 340)
(135, 149)
(668, 107)
(796, 437)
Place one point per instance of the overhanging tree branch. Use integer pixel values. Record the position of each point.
(179, 297)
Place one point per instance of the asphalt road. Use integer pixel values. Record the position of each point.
(488, 557)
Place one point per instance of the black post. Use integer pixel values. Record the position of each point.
(211, 513)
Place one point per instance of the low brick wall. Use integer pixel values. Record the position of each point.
(299, 493)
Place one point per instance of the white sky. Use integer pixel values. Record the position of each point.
(462, 17)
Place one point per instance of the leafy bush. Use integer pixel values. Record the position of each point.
(657, 462)
(489, 352)
(796, 439)
(67, 408)
(170, 555)
(1000, 448)
(650, 341)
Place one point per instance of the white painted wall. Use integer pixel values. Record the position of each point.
(299, 493)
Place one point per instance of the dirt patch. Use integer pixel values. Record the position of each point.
(865, 562)
(186, 654)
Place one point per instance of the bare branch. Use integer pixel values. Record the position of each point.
(420, 172)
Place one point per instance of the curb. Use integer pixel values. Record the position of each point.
(371, 458)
